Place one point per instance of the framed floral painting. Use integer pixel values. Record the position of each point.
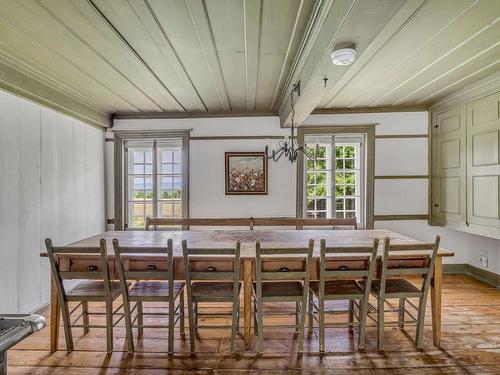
(246, 173)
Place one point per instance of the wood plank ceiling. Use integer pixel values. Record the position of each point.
(98, 58)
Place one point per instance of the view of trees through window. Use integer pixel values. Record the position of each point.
(327, 197)
(153, 191)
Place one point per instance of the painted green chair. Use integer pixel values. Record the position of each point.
(156, 284)
(388, 286)
(210, 284)
(338, 282)
(276, 283)
(95, 287)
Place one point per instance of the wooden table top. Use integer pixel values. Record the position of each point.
(268, 238)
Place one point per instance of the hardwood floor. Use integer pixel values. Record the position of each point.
(470, 345)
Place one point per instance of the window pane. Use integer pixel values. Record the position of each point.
(321, 191)
(349, 163)
(310, 164)
(310, 204)
(321, 178)
(177, 169)
(349, 151)
(339, 215)
(321, 152)
(350, 214)
(339, 164)
(321, 204)
(177, 210)
(148, 157)
(350, 178)
(311, 191)
(339, 152)
(138, 169)
(350, 204)
(349, 190)
(339, 204)
(321, 215)
(138, 156)
(321, 164)
(148, 169)
(167, 157)
(339, 178)
(177, 156)
(339, 190)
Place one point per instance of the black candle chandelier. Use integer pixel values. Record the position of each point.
(289, 145)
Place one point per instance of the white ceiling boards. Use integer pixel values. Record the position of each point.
(96, 58)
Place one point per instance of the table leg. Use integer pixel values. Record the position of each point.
(54, 316)
(436, 294)
(247, 300)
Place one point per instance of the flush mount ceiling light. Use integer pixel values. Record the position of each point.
(343, 56)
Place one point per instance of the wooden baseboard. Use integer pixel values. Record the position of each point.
(479, 274)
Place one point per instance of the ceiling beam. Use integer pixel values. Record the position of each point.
(399, 108)
(330, 27)
(168, 115)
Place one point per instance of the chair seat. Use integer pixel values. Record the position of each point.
(153, 290)
(290, 289)
(394, 286)
(338, 288)
(92, 290)
(213, 291)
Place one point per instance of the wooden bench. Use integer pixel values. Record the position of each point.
(299, 223)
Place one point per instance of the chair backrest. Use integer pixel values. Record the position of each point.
(160, 269)
(152, 223)
(301, 223)
(368, 253)
(190, 254)
(97, 271)
(272, 256)
(427, 250)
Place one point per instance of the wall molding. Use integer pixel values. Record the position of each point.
(403, 177)
(400, 217)
(337, 111)
(234, 137)
(477, 273)
(398, 136)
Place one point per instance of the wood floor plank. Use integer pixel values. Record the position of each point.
(470, 345)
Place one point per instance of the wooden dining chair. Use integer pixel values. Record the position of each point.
(337, 281)
(95, 287)
(206, 283)
(155, 284)
(390, 286)
(277, 283)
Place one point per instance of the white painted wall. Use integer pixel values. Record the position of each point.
(51, 185)
(408, 156)
(398, 156)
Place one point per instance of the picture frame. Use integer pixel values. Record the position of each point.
(246, 173)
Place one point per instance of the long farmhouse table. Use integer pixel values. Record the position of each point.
(269, 238)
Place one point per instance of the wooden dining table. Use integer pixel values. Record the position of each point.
(269, 238)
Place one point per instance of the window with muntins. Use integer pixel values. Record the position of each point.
(154, 180)
(334, 180)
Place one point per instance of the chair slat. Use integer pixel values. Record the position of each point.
(284, 251)
(76, 250)
(207, 251)
(290, 275)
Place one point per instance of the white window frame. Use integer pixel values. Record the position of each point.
(366, 155)
(121, 170)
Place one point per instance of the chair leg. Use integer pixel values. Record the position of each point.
(109, 326)
(255, 323)
(191, 323)
(181, 314)
(310, 315)
(234, 325)
(363, 311)
(321, 325)
(303, 307)
(196, 318)
(297, 322)
(66, 323)
(401, 313)
(260, 326)
(85, 312)
(351, 314)
(380, 323)
(140, 319)
(171, 320)
(128, 327)
(420, 323)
